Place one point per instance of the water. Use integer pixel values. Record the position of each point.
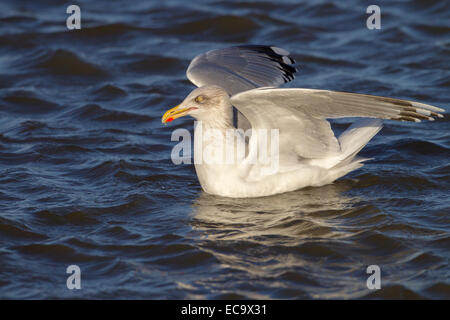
(86, 176)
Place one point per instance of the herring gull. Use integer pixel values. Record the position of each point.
(307, 152)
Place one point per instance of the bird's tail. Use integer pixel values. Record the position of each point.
(356, 137)
(352, 141)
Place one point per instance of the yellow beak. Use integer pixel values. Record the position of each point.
(175, 112)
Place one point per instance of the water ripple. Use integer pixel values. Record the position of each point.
(86, 176)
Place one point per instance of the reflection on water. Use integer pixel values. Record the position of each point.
(295, 215)
(311, 243)
(280, 242)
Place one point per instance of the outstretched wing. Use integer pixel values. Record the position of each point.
(242, 68)
(334, 104)
(300, 115)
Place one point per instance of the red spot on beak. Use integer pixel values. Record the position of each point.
(169, 119)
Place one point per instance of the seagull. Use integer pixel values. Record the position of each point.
(239, 104)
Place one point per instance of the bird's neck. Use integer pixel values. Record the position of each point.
(222, 120)
(212, 133)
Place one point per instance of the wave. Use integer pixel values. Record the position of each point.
(236, 28)
(64, 62)
(95, 112)
(26, 101)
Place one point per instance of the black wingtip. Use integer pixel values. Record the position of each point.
(280, 56)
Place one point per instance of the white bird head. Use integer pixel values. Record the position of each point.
(208, 103)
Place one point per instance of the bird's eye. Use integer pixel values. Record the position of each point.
(199, 99)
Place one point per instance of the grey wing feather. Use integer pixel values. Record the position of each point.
(334, 104)
(300, 115)
(242, 68)
(300, 134)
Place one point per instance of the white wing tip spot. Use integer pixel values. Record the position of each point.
(287, 60)
(280, 51)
